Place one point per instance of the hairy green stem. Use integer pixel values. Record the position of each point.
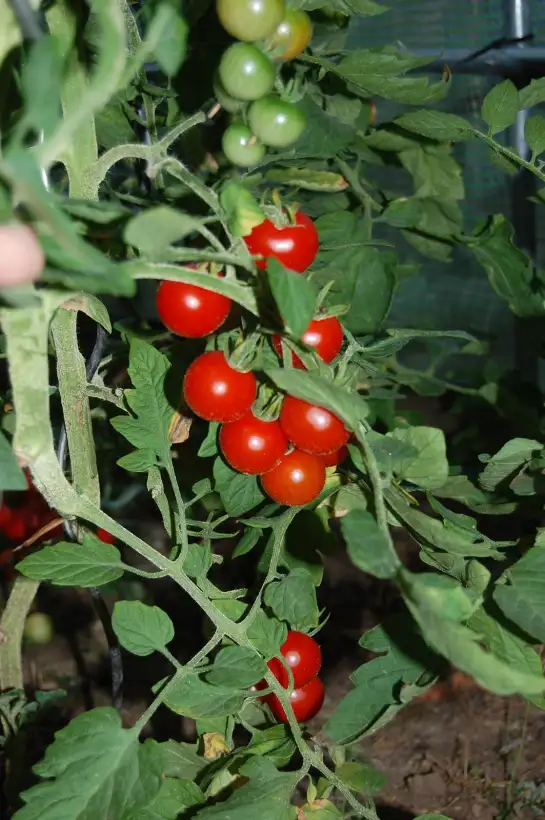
(180, 506)
(12, 626)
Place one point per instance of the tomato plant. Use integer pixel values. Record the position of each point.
(191, 311)
(302, 655)
(276, 122)
(190, 465)
(292, 35)
(241, 147)
(251, 445)
(250, 19)
(295, 246)
(311, 428)
(324, 335)
(215, 391)
(296, 480)
(245, 72)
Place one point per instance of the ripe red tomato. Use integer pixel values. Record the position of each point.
(297, 479)
(306, 702)
(324, 335)
(191, 311)
(215, 391)
(302, 655)
(250, 20)
(311, 428)
(251, 445)
(105, 536)
(336, 458)
(292, 35)
(14, 524)
(295, 246)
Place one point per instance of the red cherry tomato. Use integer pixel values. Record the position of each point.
(215, 391)
(303, 656)
(297, 479)
(251, 445)
(105, 536)
(336, 458)
(324, 335)
(311, 428)
(15, 527)
(306, 702)
(295, 246)
(191, 311)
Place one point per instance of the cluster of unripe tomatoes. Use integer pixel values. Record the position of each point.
(290, 452)
(268, 34)
(303, 656)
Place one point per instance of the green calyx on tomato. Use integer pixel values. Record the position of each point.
(241, 147)
(276, 122)
(250, 20)
(246, 73)
(292, 35)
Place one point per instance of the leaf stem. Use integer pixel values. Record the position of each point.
(180, 506)
(376, 483)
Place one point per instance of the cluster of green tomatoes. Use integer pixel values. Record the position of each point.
(246, 85)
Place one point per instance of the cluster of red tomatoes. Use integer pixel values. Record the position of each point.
(247, 75)
(303, 656)
(217, 392)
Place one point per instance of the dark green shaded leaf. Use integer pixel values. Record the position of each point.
(295, 297)
(90, 564)
(239, 493)
(293, 599)
(367, 545)
(237, 666)
(141, 629)
(11, 475)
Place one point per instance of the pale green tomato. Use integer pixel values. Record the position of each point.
(241, 147)
(250, 20)
(246, 73)
(39, 628)
(277, 123)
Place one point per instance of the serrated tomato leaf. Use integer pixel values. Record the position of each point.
(90, 564)
(141, 629)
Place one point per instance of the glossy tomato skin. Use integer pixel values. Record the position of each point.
(295, 246)
(297, 479)
(306, 702)
(251, 445)
(105, 536)
(324, 335)
(215, 391)
(250, 20)
(246, 73)
(292, 35)
(14, 525)
(191, 311)
(303, 656)
(336, 458)
(311, 428)
(241, 146)
(276, 122)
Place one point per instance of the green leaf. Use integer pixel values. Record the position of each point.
(500, 106)
(148, 428)
(275, 743)
(348, 406)
(293, 599)
(428, 468)
(242, 211)
(508, 268)
(90, 564)
(41, 84)
(361, 777)
(178, 760)
(198, 560)
(239, 493)
(237, 666)
(94, 768)
(436, 216)
(404, 660)
(267, 788)
(209, 447)
(194, 698)
(174, 797)
(168, 31)
(307, 179)
(434, 170)
(11, 475)
(512, 457)
(267, 634)
(154, 230)
(523, 599)
(141, 629)
(295, 297)
(532, 94)
(324, 135)
(460, 645)
(535, 134)
(139, 461)
(398, 338)
(436, 125)
(368, 547)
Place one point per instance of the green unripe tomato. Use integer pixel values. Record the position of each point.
(246, 73)
(241, 147)
(227, 102)
(39, 628)
(250, 20)
(277, 123)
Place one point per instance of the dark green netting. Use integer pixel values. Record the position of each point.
(455, 295)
